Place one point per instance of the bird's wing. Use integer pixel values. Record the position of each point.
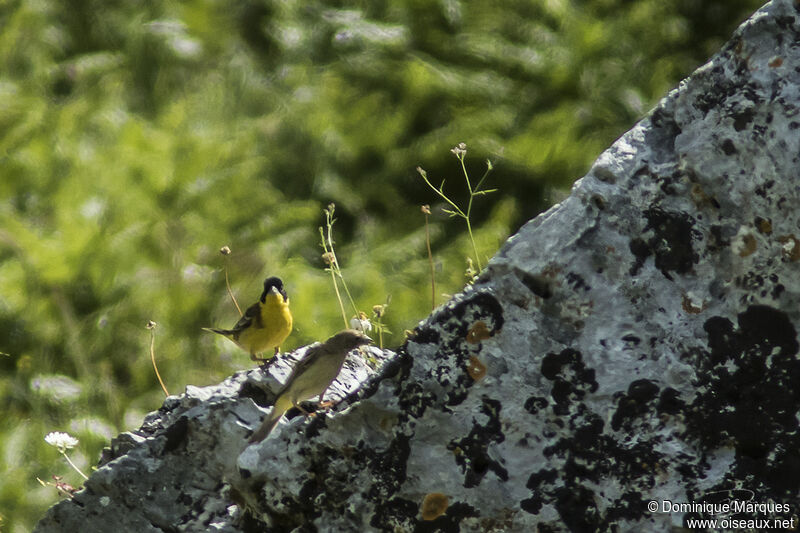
(252, 313)
(300, 367)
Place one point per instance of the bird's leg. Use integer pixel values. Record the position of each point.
(256, 358)
(325, 405)
(302, 410)
(277, 350)
(263, 361)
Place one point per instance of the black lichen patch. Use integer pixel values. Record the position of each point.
(577, 282)
(426, 335)
(394, 514)
(472, 452)
(586, 458)
(577, 508)
(760, 285)
(453, 325)
(637, 402)
(324, 489)
(482, 306)
(545, 478)
(728, 147)
(413, 401)
(397, 369)
(669, 402)
(670, 243)
(742, 119)
(570, 376)
(627, 507)
(749, 399)
(388, 468)
(534, 404)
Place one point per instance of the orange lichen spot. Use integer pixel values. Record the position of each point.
(790, 247)
(764, 225)
(434, 505)
(478, 332)
(776, 62)
(701, 198)
(744, 243)
(475, 368)
(692, 304)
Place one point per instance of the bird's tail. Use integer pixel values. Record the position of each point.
(281, 406)
(224, 332)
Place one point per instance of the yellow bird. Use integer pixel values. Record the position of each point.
(311, 377)
(265, 324)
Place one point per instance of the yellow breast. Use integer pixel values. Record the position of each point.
(270, 328)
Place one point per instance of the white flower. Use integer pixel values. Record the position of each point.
(361, 323)
(62, 441)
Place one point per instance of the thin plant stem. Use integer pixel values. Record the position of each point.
(427, 210)
(330, 254)
(152, 327)
(378, 312)
(78, 470)
(460, 152)
(226, 251)
(230, 292)
(331, 258)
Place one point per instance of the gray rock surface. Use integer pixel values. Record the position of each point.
(636, 343)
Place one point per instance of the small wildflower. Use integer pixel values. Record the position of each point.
(378, 310)
(62, 487)
(329, 258)
(422, 172)
(62, 441)
(150, 324)
(426, 209)
(361, 322)
(470, 273)
(331, 208)
(460, 150)
(489, 164)
(225, 250)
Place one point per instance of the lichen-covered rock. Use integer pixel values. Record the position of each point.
(635, 344)
(171, 474)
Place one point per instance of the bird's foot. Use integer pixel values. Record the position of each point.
(264, 363)
(326, 405)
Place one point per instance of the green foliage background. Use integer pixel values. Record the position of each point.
(136, 138)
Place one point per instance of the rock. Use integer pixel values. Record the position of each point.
(633, 346)
(171, 474)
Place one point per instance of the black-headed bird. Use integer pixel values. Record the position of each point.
(311, 377)
(265, 324)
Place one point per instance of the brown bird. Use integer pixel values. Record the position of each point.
(311, 376)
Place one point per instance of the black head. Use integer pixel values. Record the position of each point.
(273, 282)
